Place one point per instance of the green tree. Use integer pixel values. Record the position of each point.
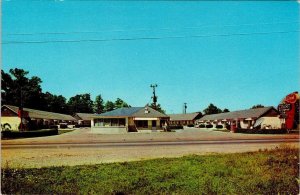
(6, 89)
(109, 106)
(158, 108)
(119, 103)
(212, 109)
(18, 89)
(257, 106)
(226, 110)
(55, 103)
(80, 103)
(99, 105)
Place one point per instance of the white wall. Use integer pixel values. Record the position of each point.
(109, 130)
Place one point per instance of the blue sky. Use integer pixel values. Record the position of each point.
(229, 64)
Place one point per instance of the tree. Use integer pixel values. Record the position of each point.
(19, 90)
(109, 106)
(80, 103)
(54, 103)
(226, 110)
(99, 105)
(212, 109)
(119, 103)
(257, 106)
(158, 108)
(6, 87)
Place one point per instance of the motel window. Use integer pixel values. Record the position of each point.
(109, 122)
(122, 122)
(98, 122)
(114, 122)
(143, 124)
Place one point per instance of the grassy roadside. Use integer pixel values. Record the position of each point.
(263, 172)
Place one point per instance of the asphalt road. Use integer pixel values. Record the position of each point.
(146, 143)
(83, 147)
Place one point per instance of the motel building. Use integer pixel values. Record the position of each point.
(84, 119)
(184, 119)
(32, 119)
(260, 118)
(133, 119)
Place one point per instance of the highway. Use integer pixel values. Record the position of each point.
(146, 143)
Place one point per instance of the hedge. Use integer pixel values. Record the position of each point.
(262, 131)
(25, 134)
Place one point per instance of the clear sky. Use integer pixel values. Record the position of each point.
(234, 54)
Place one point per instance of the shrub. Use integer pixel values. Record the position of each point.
(209, 126)
(219, 126)
(262, 131)
(36, 133)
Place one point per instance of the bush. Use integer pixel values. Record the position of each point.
(190, 125)
(219, 126)
(202, 126)
(209, 126)
(262, 131)
(25, 134)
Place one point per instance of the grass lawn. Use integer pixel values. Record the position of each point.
(263, 172)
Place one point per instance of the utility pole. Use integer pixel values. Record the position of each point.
(21, 109)
(184, 108)
(154, 97)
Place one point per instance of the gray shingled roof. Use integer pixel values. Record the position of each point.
(39, 114)
(132, 112)
(84, 116)
(151, 114)
(122, 112)
(250, 113)
(181, 117)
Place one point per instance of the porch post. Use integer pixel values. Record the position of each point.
(92, 122)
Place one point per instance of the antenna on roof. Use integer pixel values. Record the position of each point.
(184, 108)
(154, 97)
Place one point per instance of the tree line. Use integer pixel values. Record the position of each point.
(212, 109)
(20, 90)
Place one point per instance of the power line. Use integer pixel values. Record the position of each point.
(145, 29)
(146, 38)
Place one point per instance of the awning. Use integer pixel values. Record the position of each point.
(145, 119)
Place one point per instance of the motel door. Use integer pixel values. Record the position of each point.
(153, 124)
